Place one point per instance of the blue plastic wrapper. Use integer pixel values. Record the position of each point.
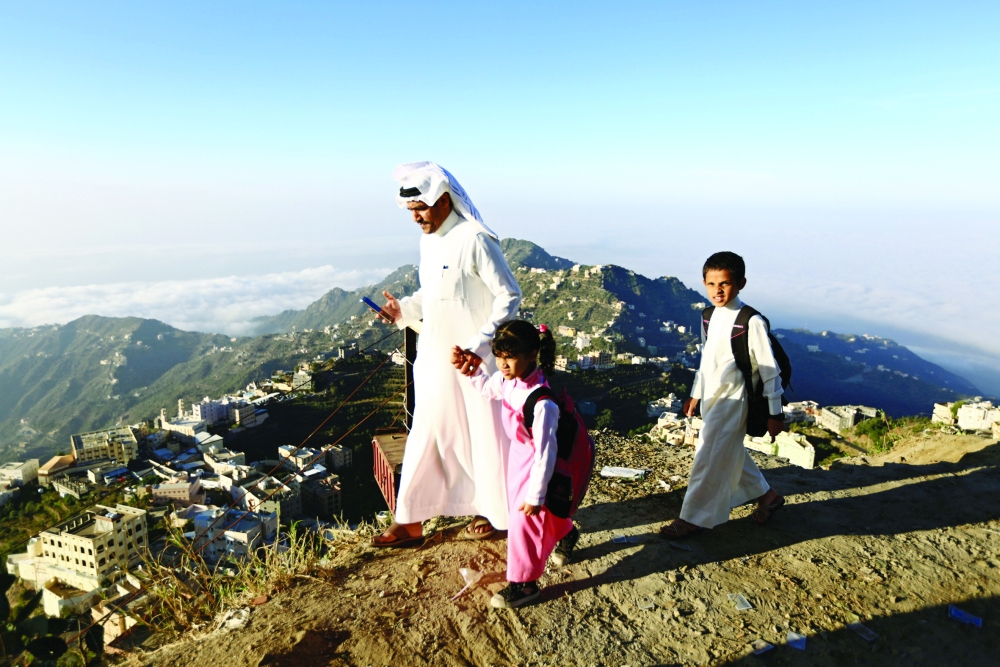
(959, 615)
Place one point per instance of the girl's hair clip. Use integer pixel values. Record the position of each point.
(542, 328)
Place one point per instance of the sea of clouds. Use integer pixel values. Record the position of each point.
(212, 305)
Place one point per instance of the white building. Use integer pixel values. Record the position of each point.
(223, 461)
(184, 428)
(302, 380)
(115, 443)
(804, 412)
(181, 493)
(211, 412)
(836, 418)
(339, 456)
(231, 534)
(977, 416)
(19, 474)
(85, 552)
(598, 359)
(669, 403)
(298, 459)
(942, 414)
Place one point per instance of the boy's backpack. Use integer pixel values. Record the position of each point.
(759, 411)
(575, 460)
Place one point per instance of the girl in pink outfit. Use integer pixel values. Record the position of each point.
(522, 352)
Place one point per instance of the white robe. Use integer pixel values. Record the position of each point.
(723, 475)
(456, 454)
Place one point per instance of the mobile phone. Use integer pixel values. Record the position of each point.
(377, 308)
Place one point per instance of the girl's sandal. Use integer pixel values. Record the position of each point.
(678, 529)
(763, 513)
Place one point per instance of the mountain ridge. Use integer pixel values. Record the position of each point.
(96, 371)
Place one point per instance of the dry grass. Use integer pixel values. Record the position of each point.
(188, 594)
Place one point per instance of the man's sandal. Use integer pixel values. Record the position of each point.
(763, 513)
(678, 529)
(471, 531)
(397, 541)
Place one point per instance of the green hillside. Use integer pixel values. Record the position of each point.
(339, 305)
(53, 384)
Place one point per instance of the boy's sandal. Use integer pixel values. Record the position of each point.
(763, 513)
(396, 542)
(678, 529)
(471, 531)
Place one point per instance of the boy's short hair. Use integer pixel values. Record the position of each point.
(726, 261)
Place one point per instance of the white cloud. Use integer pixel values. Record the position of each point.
(214, 305)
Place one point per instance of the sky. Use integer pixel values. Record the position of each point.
(207, 163)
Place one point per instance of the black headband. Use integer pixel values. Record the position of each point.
(409, 192)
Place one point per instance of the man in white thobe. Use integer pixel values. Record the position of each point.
(456, 453)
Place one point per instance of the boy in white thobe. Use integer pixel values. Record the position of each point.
(456, 452)
(723, 475)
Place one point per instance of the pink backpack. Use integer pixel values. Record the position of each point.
(575, 461)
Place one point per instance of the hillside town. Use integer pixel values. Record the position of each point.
(172, 472)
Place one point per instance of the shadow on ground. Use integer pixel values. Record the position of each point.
(943, 501)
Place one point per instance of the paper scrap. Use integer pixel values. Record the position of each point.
(741, 602)
(628, 473)
(795, 640)
(862, 631)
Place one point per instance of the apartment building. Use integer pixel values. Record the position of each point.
(338, 457)
(977, 415)
(117, 443)
(836, 418)
(259, 492)
(295, 459)
(19, 473)
(232, 534)
(322, 497)
(669, 403)
(180, 493)
(222, 460)
(801, 412)
(85, 551)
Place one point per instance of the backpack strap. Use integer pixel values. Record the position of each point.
(740, 340)
(706, 317)
(529, 404)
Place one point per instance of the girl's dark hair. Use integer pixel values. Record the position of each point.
(516, 337)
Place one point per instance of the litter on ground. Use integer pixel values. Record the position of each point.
(760, 646)
(628, 473)
(862, 631)
(959, 615)
(471, 577)
(795, 640)
(741, 602)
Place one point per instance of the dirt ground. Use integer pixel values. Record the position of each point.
(889, 541)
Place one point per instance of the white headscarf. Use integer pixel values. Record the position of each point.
(432, 180)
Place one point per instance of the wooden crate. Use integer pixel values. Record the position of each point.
(388, 446)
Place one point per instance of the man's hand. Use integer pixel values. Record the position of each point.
(774, 427)
(529, 510)
(390, 311)
(457, 357)
(690, 405)
(464, 361)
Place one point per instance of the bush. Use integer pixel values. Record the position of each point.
(606, 419)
